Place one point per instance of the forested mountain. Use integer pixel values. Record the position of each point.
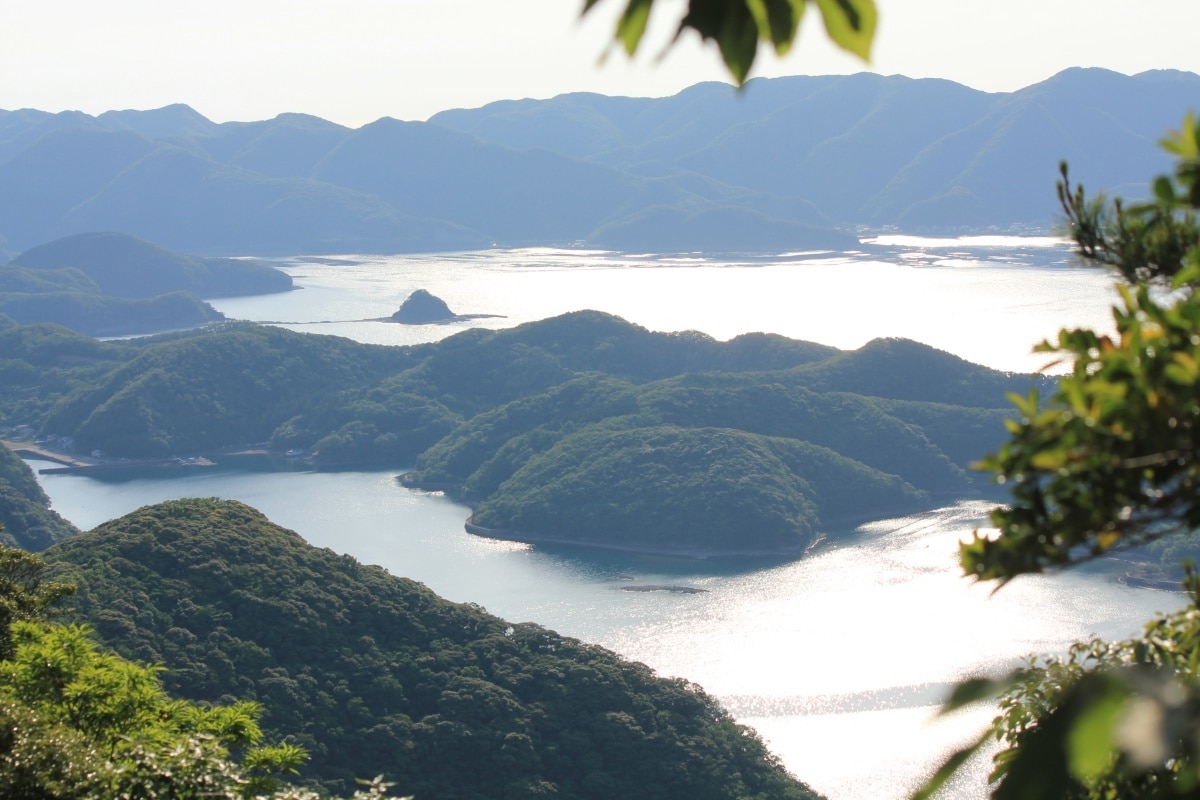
(100, 315)
(872, 150)
(376, 674)
(583, 427)
(26, 519)
(780, 165)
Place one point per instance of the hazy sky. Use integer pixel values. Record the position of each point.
(353, 61)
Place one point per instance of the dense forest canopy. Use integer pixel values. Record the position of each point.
(113, 284)
(513, 420)
(26, 519)
(374, 673)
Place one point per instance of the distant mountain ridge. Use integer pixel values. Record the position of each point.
(873, 150)
(787, 163)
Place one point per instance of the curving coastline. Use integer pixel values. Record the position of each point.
(698, 553)
(525, 537)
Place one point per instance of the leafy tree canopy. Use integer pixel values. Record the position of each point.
(77, 722)
(738, 26)
(1110, 460)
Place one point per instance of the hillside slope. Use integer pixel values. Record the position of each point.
(376, 674)
(25, 514)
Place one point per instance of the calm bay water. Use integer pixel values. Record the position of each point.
(837, 659)
(987, 299)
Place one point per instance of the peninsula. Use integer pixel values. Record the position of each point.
(581, 429)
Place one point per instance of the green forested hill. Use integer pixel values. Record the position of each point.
(41, 364)
(101, 315)
(376, 674)
(71, 298)
(702, 491)
(113, 284)
(26, 519)
(121, 265)
(229, 387)
(15, 279)
(901, 369)
(518, 421)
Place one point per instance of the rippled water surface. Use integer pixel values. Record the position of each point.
(988, 299)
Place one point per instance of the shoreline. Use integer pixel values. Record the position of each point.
(830, 530)
(126, 466)
(27, 450)
(82, 465)
(693, 553)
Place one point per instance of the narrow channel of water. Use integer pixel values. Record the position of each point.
(837, 658)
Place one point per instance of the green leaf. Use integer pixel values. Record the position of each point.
(950, 767)
(1164, 190)
(850, 24)
(732, 26)
(738, 47)
(973, 690)
(777, 20)
(738, 25)
(1049, 460)
(1091, 743)
(632, 24)
(1184, 143)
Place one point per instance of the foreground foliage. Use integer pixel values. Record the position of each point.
(81, 723)
(76, 722)
(737, 26)
(1111, 460)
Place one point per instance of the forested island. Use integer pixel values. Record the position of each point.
(114, 284)
(422, 308)
(581, 428)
